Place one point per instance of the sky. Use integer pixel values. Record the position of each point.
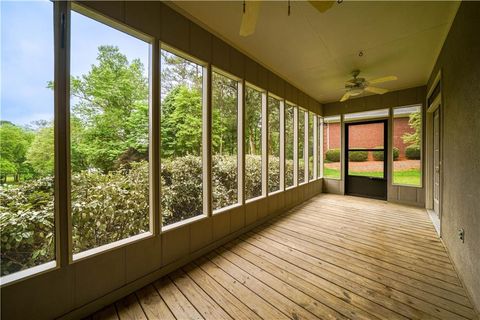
(27, 56)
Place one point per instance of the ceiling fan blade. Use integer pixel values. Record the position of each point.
(249, 18)
(346, 96)
(376, 90)
(321, 6)
(383, 79)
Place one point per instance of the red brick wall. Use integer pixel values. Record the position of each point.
(400, 127)
(333, 131)
(367, 135)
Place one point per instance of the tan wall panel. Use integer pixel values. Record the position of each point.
(143, 257)
(201, 233)
(237, 219)
(175, 29)
(251, 71)
(221, 224)
(220, 54)
(144, 15)
(114, 9)
(237, 63)
(94, 276)
(390, 99)
(262, 77)
(407, 194)
(251, 212)
(43, 296)
(175, 244)
(333, 186)
(262, 208)
(200, 43)
(408, 96)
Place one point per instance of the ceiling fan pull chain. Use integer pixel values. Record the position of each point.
(243, 6)
(289, 8)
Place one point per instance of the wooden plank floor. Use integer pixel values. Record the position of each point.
(333, 257)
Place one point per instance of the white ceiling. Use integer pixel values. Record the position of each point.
(317, 51)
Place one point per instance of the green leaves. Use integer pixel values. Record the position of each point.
(111, 112)
(415, 122)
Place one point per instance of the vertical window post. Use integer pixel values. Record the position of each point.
(315, 146)
(264, 145)
(295, 146)
(154, 140)
(207, 140)
(282, 145)
(241, 141)
(63, 224)
(305, 145)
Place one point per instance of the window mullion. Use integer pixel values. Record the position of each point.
(282, 145)
(63, 225)
(207, 140)
(295, 146)
(241, 141)
(154, 139)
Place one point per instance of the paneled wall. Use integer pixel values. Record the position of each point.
(396, 193)
(80, 287)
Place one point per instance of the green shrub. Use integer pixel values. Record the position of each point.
(358, 156)
(332, 155)
(412, 152)
(113, 206)
(378, 155)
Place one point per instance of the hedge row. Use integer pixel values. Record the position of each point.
(113, 206)
(379, 155)
(333, 155)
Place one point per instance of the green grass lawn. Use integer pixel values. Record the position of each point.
(408, 177)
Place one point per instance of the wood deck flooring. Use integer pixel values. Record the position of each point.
(333, 257)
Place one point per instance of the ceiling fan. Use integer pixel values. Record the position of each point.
(251, 10)
(358, 85)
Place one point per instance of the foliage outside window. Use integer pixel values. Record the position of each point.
(273, 144)
(181, 138)
(301, 146)
(311, 174)
(224, 141)
(109, 123)
(332, 147)
(407, 145)
(319, 146)
(253, 143)
(26, 135)
(289, 144)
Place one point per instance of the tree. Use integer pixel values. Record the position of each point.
(112, 110)
(253, 121)
(15, 143)
(182, 122)
(40, 155)
(178, 71)
(224, 115)
(415, 122)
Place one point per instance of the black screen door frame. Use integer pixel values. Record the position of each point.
(370, 187)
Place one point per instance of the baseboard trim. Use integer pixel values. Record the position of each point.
(435, 221)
